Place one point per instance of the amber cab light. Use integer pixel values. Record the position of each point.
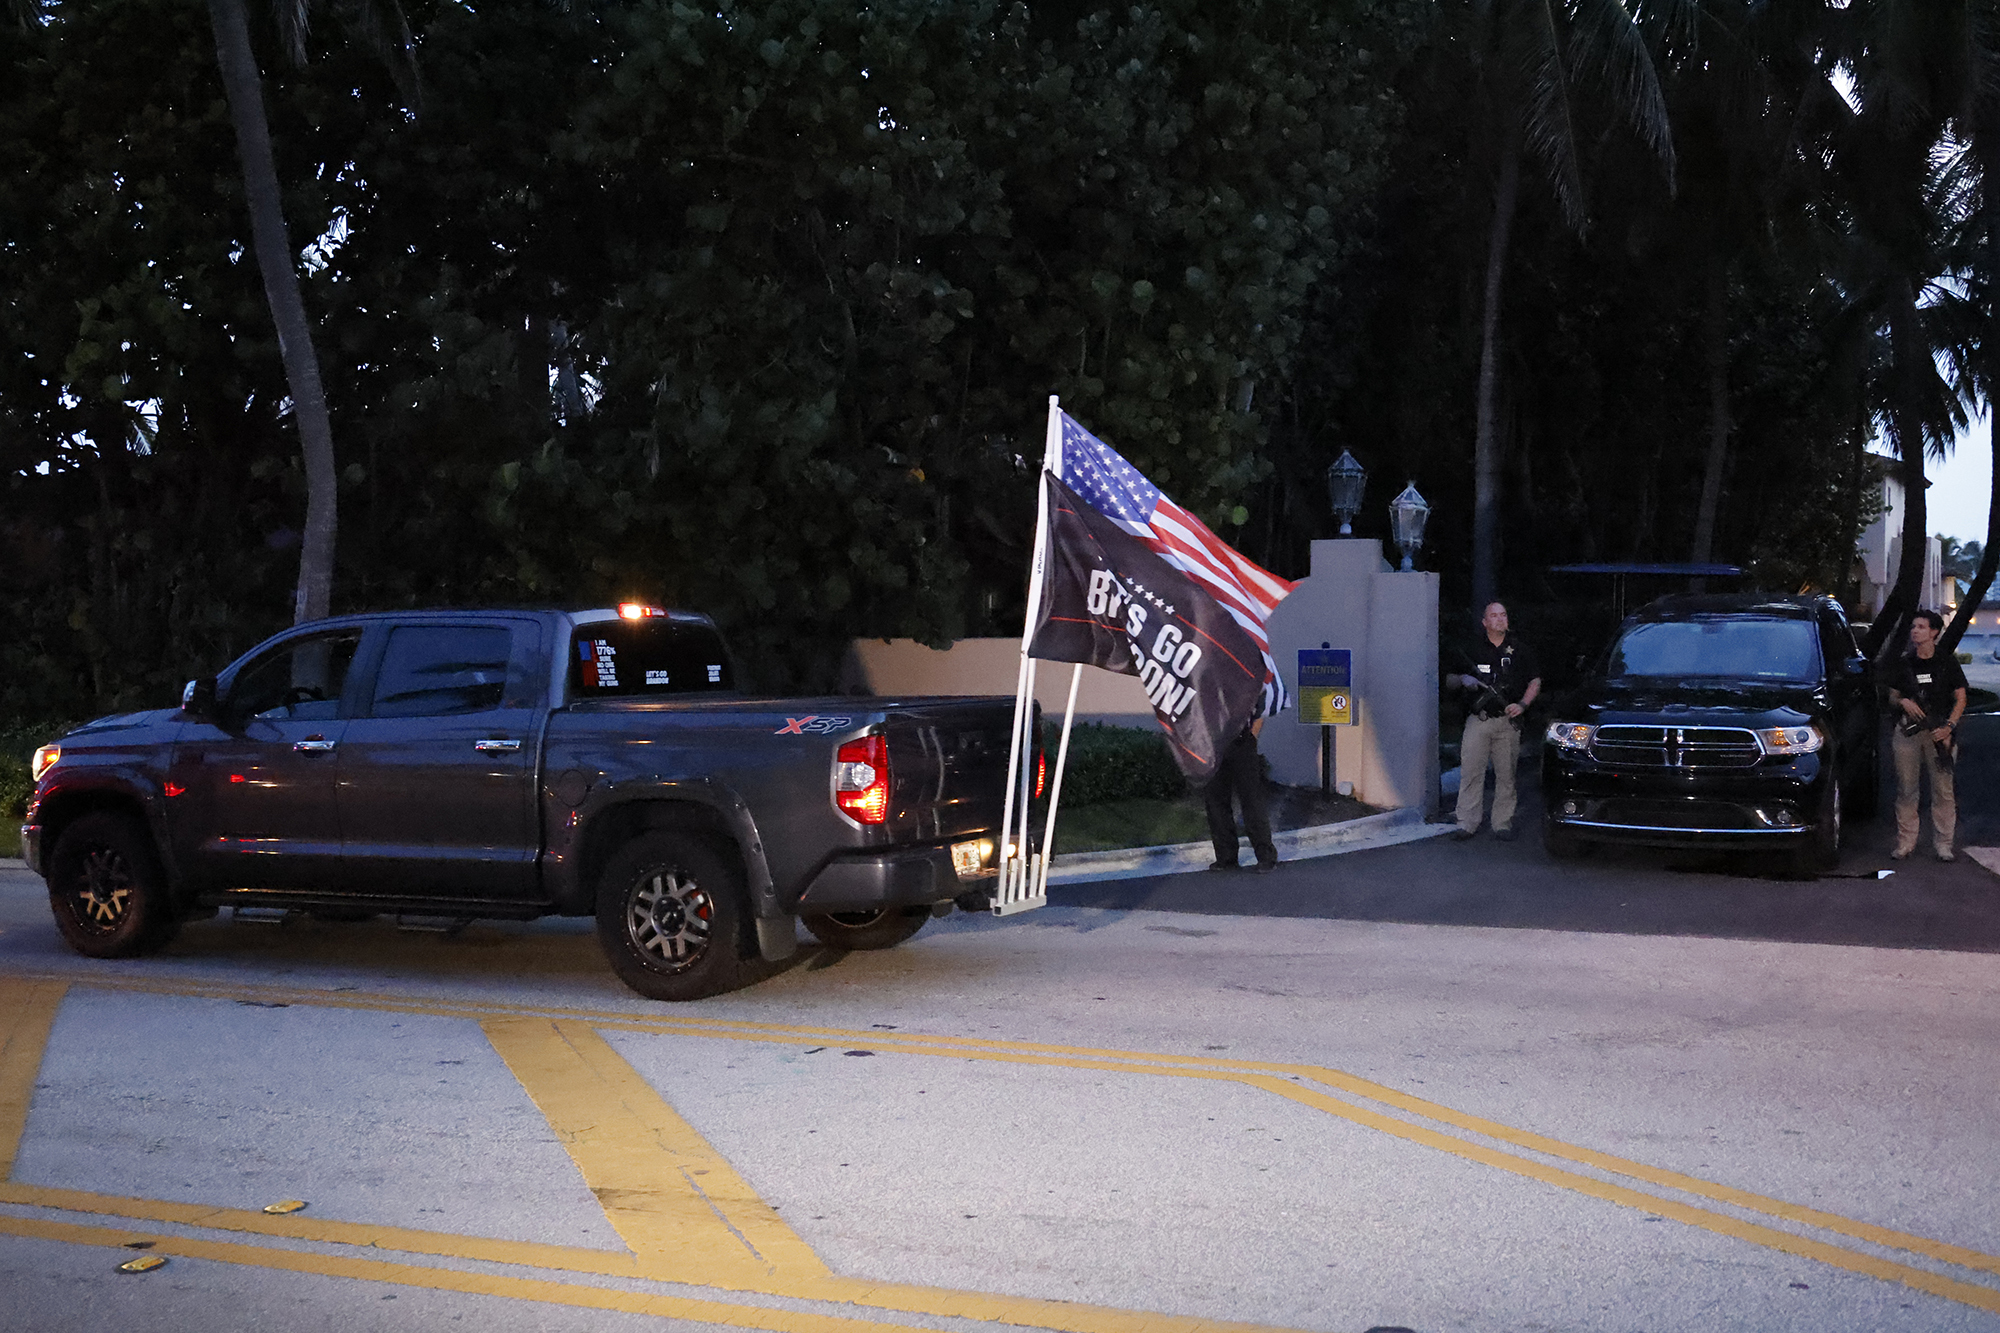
(638, 610)
(45, 759)
(861, 779)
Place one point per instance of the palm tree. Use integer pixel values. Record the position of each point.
(277, 262)
(1529, 53)
(1904, 189)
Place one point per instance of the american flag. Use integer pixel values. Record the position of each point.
(1122, 494)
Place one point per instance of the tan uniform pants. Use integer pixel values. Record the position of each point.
(1914, 754)
(1494, 740)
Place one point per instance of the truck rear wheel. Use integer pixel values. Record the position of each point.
(670, 917)
(883, 928)
(106, 888)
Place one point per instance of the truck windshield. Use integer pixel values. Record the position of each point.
(1731, 648)
(613, 659)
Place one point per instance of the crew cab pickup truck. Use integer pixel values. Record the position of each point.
(517, 764)
(1726, 722)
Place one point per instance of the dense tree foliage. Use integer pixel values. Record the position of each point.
(756, 306)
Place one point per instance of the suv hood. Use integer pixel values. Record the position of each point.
(1699, 703)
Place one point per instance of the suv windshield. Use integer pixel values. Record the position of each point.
(660, 655)
(1727, 647)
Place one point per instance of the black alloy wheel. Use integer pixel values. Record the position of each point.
(106, 889)
(670, 917)
(881, 928)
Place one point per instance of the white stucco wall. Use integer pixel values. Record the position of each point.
(990, 666)
(1388, 620)
(1352, 599)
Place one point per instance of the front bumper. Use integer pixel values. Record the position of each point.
(1765, 805)
(31, 847)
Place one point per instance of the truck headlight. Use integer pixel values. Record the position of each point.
(45, 759)
(1790, 740)
(1571, 735)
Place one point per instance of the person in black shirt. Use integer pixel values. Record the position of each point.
(1240, 775)
(1927, 690)
(1502, 680)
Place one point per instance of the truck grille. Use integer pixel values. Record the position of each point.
(1676, 747)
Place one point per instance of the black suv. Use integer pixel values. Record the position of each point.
(1732, 721)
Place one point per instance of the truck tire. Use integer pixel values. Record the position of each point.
(107, 890)
(670, 917)
(883, 928)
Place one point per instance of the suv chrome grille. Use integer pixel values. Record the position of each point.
(1676, 747)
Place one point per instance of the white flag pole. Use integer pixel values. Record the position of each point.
(1055, 783)
(1016, 871)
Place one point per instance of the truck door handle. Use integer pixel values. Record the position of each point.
(496, 746)
(314, 745)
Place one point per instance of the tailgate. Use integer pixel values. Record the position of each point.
(948, 766)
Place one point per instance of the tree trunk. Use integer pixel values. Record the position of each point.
(1717, 337)
(1989, 558)
(1485, 444)
(1901, 603)
(1987, 141)
(245, 89)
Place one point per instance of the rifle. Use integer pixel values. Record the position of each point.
(1917, 726)
(1486, 687)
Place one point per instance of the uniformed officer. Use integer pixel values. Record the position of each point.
(1927, 690)
(1501, 683)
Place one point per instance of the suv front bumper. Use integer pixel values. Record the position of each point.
(1764, 805)
(31, 846)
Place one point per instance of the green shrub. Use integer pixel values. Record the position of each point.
(1964, 659)
(1116, 764)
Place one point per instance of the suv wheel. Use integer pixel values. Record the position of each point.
(1559, 842)
(1822, 851)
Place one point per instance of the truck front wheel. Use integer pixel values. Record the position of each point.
(106, 888)
(883, 928)
(670, 917)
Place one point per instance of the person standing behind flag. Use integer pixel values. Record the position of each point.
(1504, 681)
(1240, 774)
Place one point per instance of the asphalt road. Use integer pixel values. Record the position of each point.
(1436, 1087)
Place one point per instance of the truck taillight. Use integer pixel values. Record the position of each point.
(1041, 773)
(861, 779)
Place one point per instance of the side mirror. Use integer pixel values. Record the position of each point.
(198, 699)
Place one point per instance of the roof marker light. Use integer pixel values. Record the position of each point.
(638, 610)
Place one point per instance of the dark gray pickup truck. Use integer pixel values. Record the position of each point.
(464, 764)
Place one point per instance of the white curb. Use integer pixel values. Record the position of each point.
(1355, 835)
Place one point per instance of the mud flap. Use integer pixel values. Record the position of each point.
(777, 937)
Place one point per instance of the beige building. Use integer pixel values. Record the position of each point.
(1881, 554)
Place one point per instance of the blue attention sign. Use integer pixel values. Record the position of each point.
(1326, 687)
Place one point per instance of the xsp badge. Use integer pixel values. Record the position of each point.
(813, 725)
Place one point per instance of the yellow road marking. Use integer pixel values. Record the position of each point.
(445, 1279)
(27, 1013)
(367, 1235)
(1252, 1073)
(677, 1203)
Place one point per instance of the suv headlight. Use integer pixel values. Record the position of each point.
(1790, 740)
(44, 760)
(1571, 735)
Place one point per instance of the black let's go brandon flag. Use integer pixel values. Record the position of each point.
(1109, 601)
